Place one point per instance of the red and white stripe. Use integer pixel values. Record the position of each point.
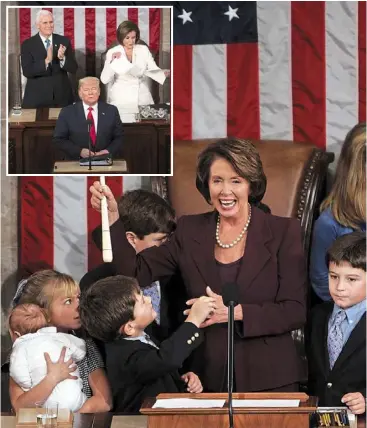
(56, 221)
(92, 30)
(305, 80)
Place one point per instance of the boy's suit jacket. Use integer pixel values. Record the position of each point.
(173, 293)
(349, 371)
(272, 293)
(136, 370)
(71, 130)
(47, 87)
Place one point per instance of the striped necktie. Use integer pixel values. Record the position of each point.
(335, 337)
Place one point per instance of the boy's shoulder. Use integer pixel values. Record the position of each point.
(322, 311)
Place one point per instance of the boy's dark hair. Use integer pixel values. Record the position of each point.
(349, 248)
(143, 212)
(108, 304)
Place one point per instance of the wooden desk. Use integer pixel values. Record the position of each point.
(72, 167)
(110, 420)
(144, 146)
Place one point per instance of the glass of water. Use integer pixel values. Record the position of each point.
(47, 414)
(17, 109)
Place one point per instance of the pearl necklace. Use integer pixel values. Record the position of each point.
(237, 240)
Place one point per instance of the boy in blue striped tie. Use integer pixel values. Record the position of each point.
(337, 360)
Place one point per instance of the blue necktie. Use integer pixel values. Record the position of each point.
(153, 293)
(47, 42)
(335, 337)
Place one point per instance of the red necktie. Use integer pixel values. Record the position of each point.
(92, 131)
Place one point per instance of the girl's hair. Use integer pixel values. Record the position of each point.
(347, 198)
(44, 286)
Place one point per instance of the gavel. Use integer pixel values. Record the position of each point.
(106, 235)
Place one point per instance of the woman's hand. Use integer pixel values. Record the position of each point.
(61, 370)
(193, 382)
(355, 402)
(97, 194)
(219, 314)
(115, 55)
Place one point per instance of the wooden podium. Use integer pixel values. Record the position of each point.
(119, 166)
(243, 417)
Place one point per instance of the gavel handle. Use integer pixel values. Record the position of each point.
(106, 235)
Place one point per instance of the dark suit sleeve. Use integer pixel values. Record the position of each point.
(117, 134)
(30, 66)
(70, 65)
(149, 265)
(61, 136)
(97, 237)
(150, 364)
(288, 311)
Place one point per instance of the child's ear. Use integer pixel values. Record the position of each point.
(127, 329)
(131, 237)
(14, 334)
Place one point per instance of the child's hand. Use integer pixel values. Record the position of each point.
(201, 309)
(60, 370)
(193, 382)
(355, 402)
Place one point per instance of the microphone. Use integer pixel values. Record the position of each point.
(230, 299)
(106, 234)
(89, 123)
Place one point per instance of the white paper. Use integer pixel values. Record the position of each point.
(266, 403)
(187, 403)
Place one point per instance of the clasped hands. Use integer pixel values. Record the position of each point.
(60, 53)
(218, 315)
(84, 153)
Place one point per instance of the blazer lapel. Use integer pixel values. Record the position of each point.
(324, 329)
(203, 254)
(40, 46)
(256, 251)
(356, 339)
(101, 123)
(80, 117)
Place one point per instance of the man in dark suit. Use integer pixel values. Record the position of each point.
(47, 59)
(337, 345)
(115, 311)
(71, 135)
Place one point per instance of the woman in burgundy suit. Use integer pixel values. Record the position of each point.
(237, 242)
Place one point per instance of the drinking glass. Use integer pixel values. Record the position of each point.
(47, 414)
(17, 109)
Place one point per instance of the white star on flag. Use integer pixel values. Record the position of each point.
(185, 16)
(232, 13)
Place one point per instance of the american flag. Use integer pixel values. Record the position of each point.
(271, 70)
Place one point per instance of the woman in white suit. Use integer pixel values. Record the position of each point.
(126, 71)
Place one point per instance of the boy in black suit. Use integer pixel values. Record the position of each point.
(337, 360)
(149, 221)
(115, 311)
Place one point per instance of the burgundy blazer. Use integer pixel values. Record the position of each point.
(272, 292)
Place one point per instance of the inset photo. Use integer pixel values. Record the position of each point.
(89, 90)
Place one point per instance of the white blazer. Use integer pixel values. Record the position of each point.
(28, 365)
(127, 81)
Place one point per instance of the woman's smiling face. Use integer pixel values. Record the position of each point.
(229, 192)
